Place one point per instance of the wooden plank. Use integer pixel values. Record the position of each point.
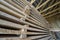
(12, 7)
(14, 4)
(13, 11)
(10, 24)
(33, 33)
(42, 25)
(35, 37)
(32, 25)
(8, 17)
(11, 17)
(14, 38)
(40, 18)
(9, 11)
(36, 22)
(17, 26)
(22, 2)
(7, 31)
(46, 38)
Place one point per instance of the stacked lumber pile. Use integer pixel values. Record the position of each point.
(19, 20)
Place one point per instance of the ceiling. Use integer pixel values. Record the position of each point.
(47, 8)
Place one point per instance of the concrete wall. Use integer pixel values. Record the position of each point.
(55, 21)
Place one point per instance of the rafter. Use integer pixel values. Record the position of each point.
(39, 3)
(51, 12)
(32, 1)
(49, 7)
(52, 15)
(43, 4)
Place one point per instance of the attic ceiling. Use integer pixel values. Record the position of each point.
(47, 8)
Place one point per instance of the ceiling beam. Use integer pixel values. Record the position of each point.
(43, 4)
(39, 3)
(32, 1)
(52, 15)
(51, 12)
(50, 7)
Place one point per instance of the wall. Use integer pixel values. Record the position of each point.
(55, 22)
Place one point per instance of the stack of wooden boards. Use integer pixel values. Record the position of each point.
(19, 20)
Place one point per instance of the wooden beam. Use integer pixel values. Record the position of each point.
(39, 4)
(51, 12)
(7, 31)
(17, 26)
(43, 4)
(12, 7)
(49, 7)
(35, 37)
(32, 1)
(14, 38)
(9, 11)
(51, 15)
